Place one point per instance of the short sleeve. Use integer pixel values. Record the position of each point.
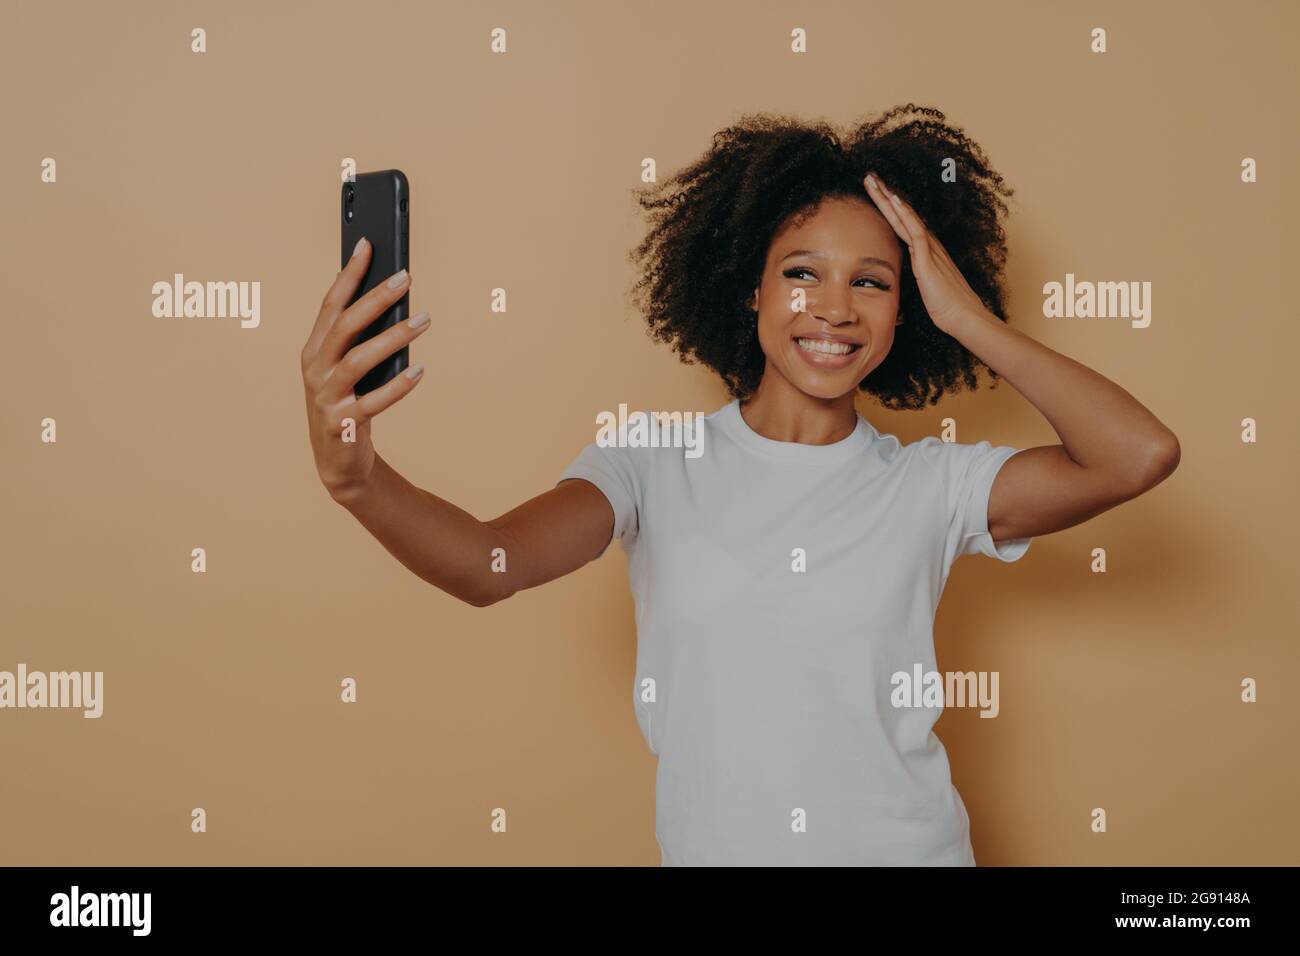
(613, 470)
(968, 472)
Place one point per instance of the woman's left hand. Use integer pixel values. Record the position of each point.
(948, 298)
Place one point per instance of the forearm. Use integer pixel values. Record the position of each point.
(1100, 424)
(443, 544)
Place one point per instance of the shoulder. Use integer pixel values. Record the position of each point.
(634, 443)
(954, 466)
(924, 454)
(948, 457)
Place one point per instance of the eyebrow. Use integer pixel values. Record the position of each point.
(870, 260)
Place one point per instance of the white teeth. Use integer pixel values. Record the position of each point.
(821, 345)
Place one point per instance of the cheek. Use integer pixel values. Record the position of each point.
(774, 321)
(773, 330)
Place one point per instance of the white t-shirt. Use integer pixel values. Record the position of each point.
(765, 691)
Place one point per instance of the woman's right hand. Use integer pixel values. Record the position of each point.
(330, 370)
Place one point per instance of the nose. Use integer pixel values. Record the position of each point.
(833, 305)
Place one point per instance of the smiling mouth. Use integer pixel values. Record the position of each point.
(822, 347)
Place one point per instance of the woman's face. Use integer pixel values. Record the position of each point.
(846, 259)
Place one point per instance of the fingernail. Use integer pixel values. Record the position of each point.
(419, 320)
(415, 371)
(872, 182)
(894, 199)
(360, 244)
(397, 279)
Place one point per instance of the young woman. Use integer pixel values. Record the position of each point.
(785, 572)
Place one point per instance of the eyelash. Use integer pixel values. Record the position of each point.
(789, 274)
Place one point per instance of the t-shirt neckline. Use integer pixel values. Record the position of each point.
(853, 444)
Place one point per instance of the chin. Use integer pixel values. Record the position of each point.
(827, 387)
(831, 395)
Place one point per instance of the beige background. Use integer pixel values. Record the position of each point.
(1118, 690)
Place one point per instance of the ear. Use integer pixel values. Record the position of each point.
(753, 303)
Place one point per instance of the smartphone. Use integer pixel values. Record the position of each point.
(378, 206)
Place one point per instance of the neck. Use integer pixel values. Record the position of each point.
(779, 411)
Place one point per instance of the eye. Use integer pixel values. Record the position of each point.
(795, 273)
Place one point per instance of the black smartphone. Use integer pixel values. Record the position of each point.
(377, 206)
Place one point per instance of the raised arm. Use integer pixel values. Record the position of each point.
(1112, 448)
(546, 537)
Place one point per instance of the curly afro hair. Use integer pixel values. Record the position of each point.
(766, 170)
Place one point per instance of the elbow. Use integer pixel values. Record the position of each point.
(494, 593)
(1163, 459)
(1168, 456)
(496, 585)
